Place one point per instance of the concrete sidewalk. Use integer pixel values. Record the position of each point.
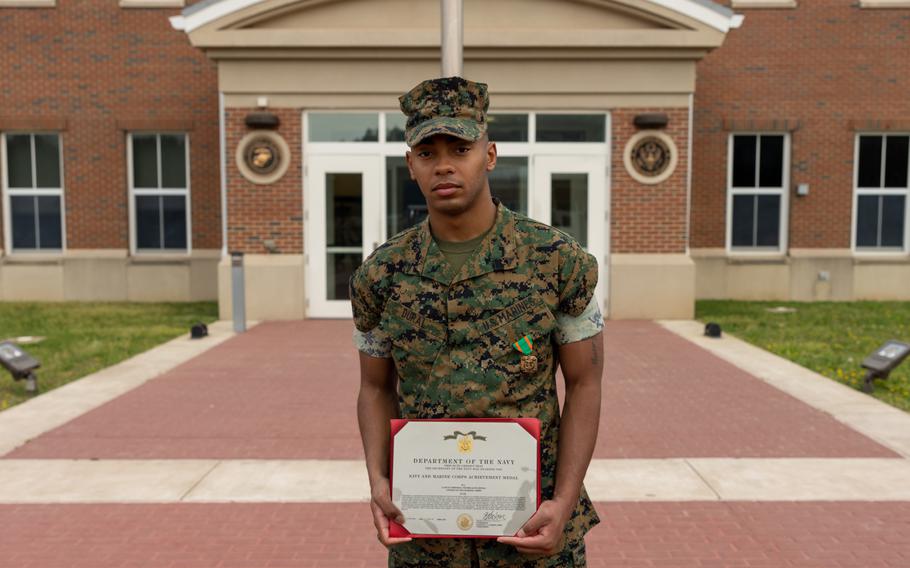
(244, 451)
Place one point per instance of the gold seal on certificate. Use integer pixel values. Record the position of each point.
(465, 477)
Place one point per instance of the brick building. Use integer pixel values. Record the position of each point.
(143, 139)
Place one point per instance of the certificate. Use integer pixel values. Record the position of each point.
(476, 478)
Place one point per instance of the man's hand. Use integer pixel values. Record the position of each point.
(383, 510)
(544, 532)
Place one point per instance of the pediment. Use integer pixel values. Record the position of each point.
(538, 24)
(478, 14)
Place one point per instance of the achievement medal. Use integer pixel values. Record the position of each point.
(528, 360)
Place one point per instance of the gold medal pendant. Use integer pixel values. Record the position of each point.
(528, 364)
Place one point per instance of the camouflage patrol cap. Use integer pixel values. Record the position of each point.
(449, 105)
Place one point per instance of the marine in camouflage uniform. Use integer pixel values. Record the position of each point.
(451, 334)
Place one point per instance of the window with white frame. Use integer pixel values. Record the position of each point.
(881, 183)
(757, 176)
(34, 191)
(159, 191)
(519, 136)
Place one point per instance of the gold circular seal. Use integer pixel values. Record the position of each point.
(262, 155)
(465, 521)
(650, 156)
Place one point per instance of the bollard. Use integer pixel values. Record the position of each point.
(238, 303)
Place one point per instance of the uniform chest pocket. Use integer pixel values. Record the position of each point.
(495, 336)
(412, 334)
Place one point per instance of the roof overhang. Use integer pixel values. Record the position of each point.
(707, 12)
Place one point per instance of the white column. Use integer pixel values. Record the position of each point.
(452, 37)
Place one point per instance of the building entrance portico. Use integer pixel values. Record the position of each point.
(591, 108)
(358, 192)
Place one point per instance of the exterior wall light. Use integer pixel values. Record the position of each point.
(651, 120)
(880, 363)
(20, 364)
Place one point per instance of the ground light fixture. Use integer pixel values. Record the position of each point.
(882, 361)
(20, 364)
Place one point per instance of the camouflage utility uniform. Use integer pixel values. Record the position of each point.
(451, 340)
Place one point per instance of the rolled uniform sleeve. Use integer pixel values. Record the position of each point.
(570, 329)
(366, 305)
(577, 279)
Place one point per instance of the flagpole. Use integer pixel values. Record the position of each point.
(452, 37)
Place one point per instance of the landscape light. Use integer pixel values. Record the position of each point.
(881, 362)
(20, 364)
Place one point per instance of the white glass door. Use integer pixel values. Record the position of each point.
(571, 193)
(342, 227)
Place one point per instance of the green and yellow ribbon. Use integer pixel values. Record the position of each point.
(525, 345)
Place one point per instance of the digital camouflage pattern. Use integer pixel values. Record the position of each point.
(450, 105)
(452, 336)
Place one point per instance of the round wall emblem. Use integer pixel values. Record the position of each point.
(263, 156)
(650, 157)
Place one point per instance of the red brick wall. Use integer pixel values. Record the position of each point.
(99, 68)
(824, 64)
(648, 218)
(273, 211)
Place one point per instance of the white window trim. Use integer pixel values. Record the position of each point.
(152, 3)
(764, 4)
(783, 192)
(133, 192)
(858, 191)
(9, 192)
(884, 3)
(28, 3)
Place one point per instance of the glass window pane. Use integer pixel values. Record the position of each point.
(509, 182)
(744, 161)
(870, 162)
(174, 211)
(406, 205)
(743, 220)
(893, 212)
(394, 127)
(896, 156)
(173, 161)
(768, 234)
(771, 167)
(569, 194)
(49, 222)
(19, 160)
(148, 221)
(47, 160)
(22, 209)
(508, 127)
(145, 160)
(571, 128)
(867, 221)
(344, 127)
(344, 210)
(341, 267)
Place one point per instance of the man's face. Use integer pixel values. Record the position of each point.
(451, 172)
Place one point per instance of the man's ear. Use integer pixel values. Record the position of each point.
(407, 158)
(491, 156)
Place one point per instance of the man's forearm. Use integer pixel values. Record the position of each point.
(577, 435)
(375, 407)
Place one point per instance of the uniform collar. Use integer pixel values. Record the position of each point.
(495, 252)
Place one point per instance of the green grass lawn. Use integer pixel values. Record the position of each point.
(831, 338)
(82, 338)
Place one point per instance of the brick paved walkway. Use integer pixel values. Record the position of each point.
(658, 535)
(271, 392)
(287, 391)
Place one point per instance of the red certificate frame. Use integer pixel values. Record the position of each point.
(531, 426)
